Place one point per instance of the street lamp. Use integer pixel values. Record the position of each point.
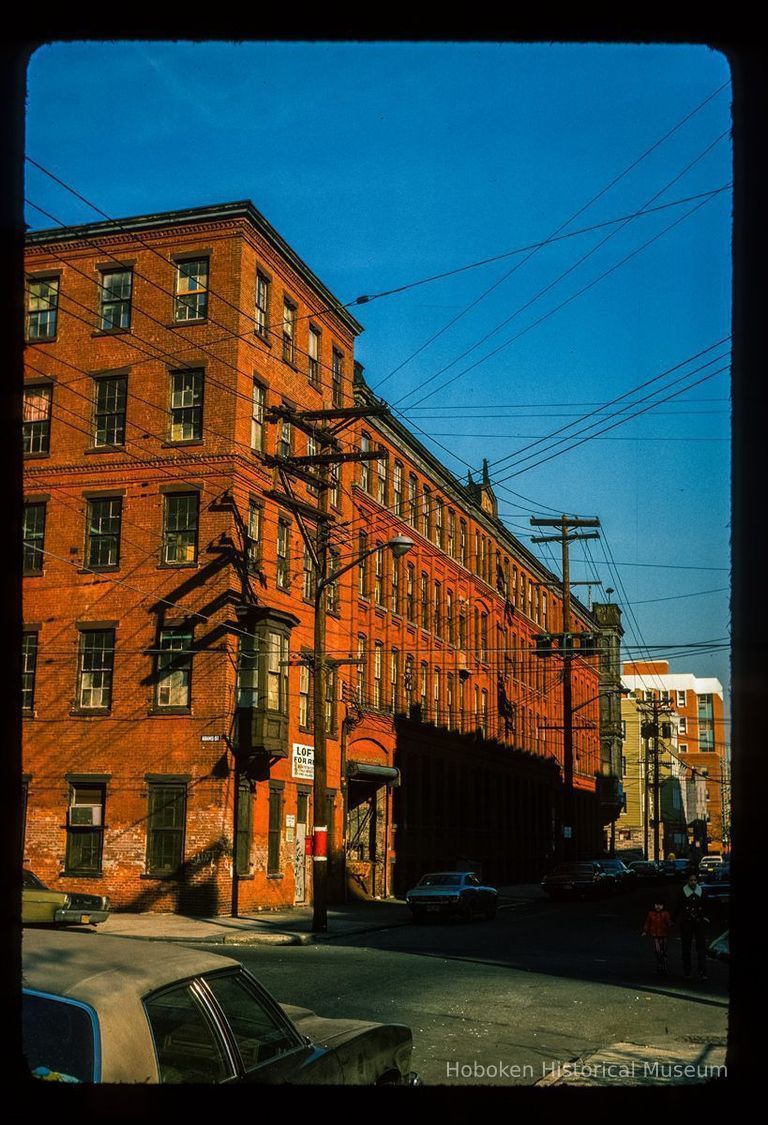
(399, 546)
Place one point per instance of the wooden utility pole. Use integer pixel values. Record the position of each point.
(568, 844)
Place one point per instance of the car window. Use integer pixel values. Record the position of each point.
(58, 1036)
(188, 1048)
(31, 880)
(441, 879)
(260, 1034)
(473, 881)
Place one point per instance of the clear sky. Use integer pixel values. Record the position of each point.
(383, 164)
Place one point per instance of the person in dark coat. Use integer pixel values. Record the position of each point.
(689, 912)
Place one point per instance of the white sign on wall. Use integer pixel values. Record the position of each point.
(303, 762)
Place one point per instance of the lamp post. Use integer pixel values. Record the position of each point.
(399, 546)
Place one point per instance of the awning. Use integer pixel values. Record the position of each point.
(369, 771)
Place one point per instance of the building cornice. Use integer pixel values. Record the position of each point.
(219, 216)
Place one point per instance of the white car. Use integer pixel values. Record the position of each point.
(108, 1009)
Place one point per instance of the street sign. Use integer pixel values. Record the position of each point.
(210, 738)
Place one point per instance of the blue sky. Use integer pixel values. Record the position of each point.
(386, 163)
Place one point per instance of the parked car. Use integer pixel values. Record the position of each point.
(716, 889)
(104, 1009)
(719, 949)
(451, 892)
(42, 906)
(676, 869)
(578, 878)
(707, 862)
(622, 876)
(646, 870)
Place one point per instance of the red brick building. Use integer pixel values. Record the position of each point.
(168, 595)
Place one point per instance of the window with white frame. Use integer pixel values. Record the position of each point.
(682, 725)
(362, 669)
(397, 488)
(111, 394)
(191, 302)
(313, 357)
(115, 304)
(365, 466)
(253, 544)
(681, 698)
(381, 480)
(282, 577)
(180, 528)
(186, 422)
(378, 661)
(173, 663)
(289, 331)
(85, 828)
(37, 419)
(262, 305)
(258, 403)
(305, 696)
(394, 681)
(95, 666)
(337, 378)
(379, 576)
(42, 307)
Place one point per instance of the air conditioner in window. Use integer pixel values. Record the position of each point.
(85, 816)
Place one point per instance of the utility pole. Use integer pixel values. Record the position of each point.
(318, 549)
(651, 730)
(568, 844)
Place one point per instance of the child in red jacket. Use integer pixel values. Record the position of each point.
(657, 925)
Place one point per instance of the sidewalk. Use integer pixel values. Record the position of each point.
(284, 927)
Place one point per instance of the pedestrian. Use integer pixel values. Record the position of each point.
(658, 923)
(690, 914)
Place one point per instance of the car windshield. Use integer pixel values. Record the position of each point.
(31, 880)
(441, 879)
(58, 1038)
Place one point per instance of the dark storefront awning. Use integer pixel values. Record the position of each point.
(369, 771)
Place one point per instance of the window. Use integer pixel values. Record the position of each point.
(378, 657)
(484, 637)
(42, 307)
(244, 828)
(253, 538)
(436, 696)
(37, 419)
(462, 629)
(378, 583)
(449, 701)
(28, 670)
(452, 533)
(260, 1034)
(484, 558)
(449, 616)
(191, 290)
(312, 451)
(463, 543)
(410, 597)
(180, 528)
(330, 701)
(85, 829)
(165, 827)
(683, 747)
(186, 406)
(426, 511)
(277, 673)
(424, 601)
(437, 621)
(381, 480)
(95, 665)
(362, 573)
(681, 699)
(289, 331)
(335, 489)
(544, 610)
(173, 668)
(284, 438)
(332, 590)
(109, 413)
(262, 305)
(305, 696)
(275, 821)
(362, 669)
(337, 378)
(395, 588)
(313, 358)
(33, 533)
(365, 467)
(115, 310)
(309, 584)
(682, 725)
(484, 712)
(478, 571)
(394, 681)
(102, 546)
(283, 577)
(408, 684)
(187, 1047)
(412, 500)
(423, 691)
(397, 489)
(257, 417)
(438, 522)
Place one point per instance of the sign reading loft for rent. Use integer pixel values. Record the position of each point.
(303, 762)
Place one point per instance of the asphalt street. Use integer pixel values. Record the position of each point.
(509, 1000)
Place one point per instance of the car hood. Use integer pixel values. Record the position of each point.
(433, 892)
(365, 1050)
